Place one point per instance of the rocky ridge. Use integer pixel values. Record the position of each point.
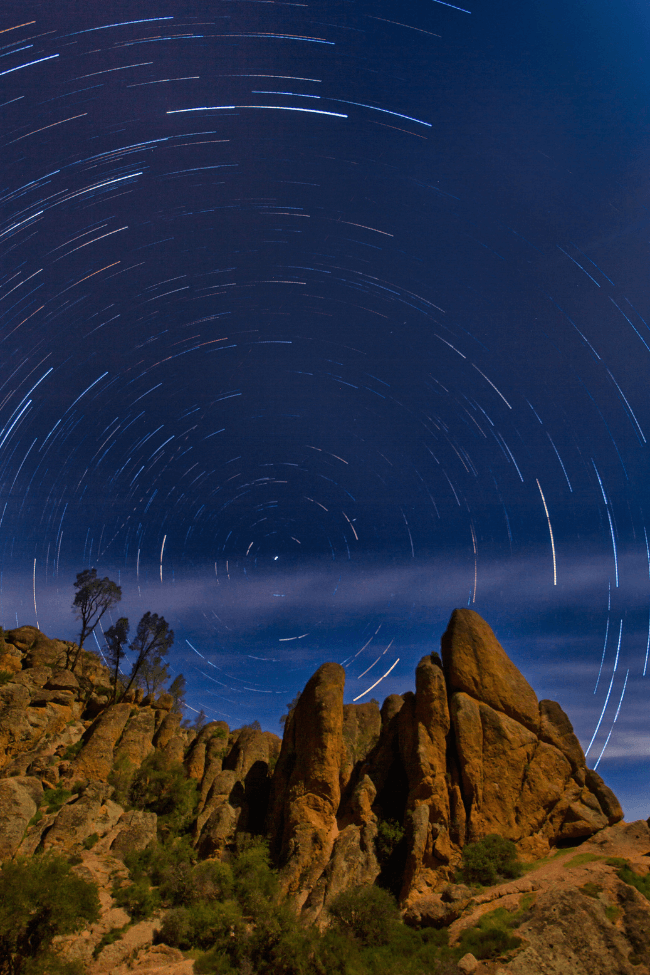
(470, 752)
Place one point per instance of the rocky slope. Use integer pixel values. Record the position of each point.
(471, 752)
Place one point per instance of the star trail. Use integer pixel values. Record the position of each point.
(321, 319)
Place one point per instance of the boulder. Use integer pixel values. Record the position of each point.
(16, 809)
(95, 760)
(306, 785)
(62, 680)
(137, 829)
(135, 743)
(92, 812)
(476, 664)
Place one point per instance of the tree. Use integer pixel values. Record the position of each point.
(94, 597)
(41, 898)
(116, 637)
(152, 640)
(177, 691)
(153, 675)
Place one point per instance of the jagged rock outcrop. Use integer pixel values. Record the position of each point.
(352, 794)
(472, 752)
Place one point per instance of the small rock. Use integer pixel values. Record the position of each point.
(468, 963)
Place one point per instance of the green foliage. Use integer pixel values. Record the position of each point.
(160, 786)
(36, 818)
(5, 677)
(158, 858)
(41, 898)
(55, 798)
(138, 899)
(120, 777)
(389, 835)
(612, 912)
(73, 750)
(591, 889)
(491, 937)
(642, 884)
(203, 924)
(369, 914)
(90, 841)
(616, 862)
(490, 860)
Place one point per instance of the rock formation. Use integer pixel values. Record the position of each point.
(470, 752)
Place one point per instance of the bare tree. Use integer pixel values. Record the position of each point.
(116, 637)
(152, 640)
(94, 597)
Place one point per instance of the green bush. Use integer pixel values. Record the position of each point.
(158, 859)
(491, 937)
(73, 750)
(642, 884)
(41, 898)
(5, 677)
(90, 841)
(389, 835)
(139, 900)
(55, 798)
(160, 786)
(369, 914)
(490, 860)
(204, 925)
(120, 777)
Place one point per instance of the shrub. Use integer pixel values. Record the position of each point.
(40, 899)
(138, 899)
(120, 777)
(491, 937)
(204, 925)
(160, 786)
(389, 835)
(72, 750)
(90, 841)
(591, 889)
(55, 798)
(642, 884)
(369, 914)
(154, 861)
(489, 860)
(5, 677)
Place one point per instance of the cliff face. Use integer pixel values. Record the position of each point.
(471, 752)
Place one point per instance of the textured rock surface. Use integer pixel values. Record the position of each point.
(476, 663)
(16, 809)
(351, 796)
(306, 785)
(95, 760)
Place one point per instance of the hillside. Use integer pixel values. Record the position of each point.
(353, 795)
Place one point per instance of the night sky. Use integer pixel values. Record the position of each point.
(321, 319)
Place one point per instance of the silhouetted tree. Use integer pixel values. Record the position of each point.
(177, 691)
(93, 598)
(152, 640)
(153, 675)
(116, 637)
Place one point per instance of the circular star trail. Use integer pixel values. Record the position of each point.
(320, 319)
